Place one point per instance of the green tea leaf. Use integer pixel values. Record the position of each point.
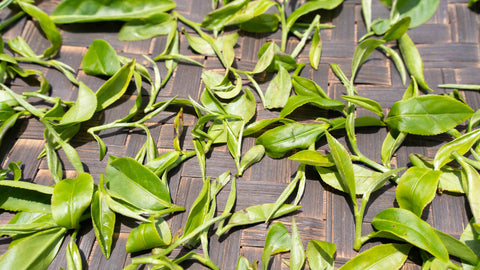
(343, 164)
(100, 59)
(307, 87)
(263, 23)
(427, 115)
(35, 251)
(25, 196)
(149, 235)
(250, 11)
(278, 141)
(199, 210)
(278, 90)
(461, 145)
(362, 52)
(419, 11)
(472, 239)
(397, 30)
(381, 257)
(136, 184)
(75, 11)
(471, 185)
(74, 259)
(252, 156)
(392, 142)
(416, 188)
(297, 254)
(83, 109)
(413, 60)
(115, 87)
(266, 59)
(103, 220)
(158, 24)
(257, 213)
(450, 179)
(365, 103)
(217, 19)
(313, 158)
(297, 101)
(315, 49)
(278, 240)
(311, 6)
(71, 197)
(457, 248)
(320, 255)
(407, 226)
(47, 25)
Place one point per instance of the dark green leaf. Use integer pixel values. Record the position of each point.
(278, 141)
(407, 226)
(416, 188)
(264, 23)
(100, 59)
(381, 257)
(157, 24)
(74, 11)
(427, 115)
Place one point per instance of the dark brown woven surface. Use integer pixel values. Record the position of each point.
(448, 43)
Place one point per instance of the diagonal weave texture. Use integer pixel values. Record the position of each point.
(448, 43)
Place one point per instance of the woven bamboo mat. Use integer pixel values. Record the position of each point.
(448, 43)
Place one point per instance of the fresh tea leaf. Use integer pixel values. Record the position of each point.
(100, 59)
(427, 115)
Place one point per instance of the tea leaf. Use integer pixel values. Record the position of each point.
(427, 115)
(416, 188)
